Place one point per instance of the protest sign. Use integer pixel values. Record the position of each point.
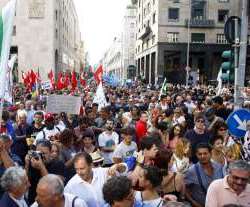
(62, 103)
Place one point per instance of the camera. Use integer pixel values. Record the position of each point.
(35, 154)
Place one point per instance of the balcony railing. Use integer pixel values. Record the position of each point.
(144, 33)
(201, 23)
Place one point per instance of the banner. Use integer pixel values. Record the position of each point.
(62, 103)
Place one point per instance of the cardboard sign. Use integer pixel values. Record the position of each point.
(63, 103)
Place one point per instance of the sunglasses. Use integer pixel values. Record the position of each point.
(245, 180)
(222, 129)
(200, 121)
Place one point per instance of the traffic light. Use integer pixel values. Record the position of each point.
(227, 66)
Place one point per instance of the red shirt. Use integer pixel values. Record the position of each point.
(140, 130)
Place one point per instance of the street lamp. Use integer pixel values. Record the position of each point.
(188, 43)
(190, 4)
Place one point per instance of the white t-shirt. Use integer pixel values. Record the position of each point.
(78, 187)
(100, 176)
(150, 203)
(108, 140)
(45, 134)
(124, 151)
(69, 201)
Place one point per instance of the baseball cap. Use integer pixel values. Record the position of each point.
(49, 117)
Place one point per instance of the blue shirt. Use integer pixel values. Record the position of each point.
(192, 183)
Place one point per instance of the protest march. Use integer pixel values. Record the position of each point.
(86, 139)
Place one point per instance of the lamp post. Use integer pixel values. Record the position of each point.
(188, 43)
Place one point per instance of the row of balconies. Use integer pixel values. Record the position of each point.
(193, 23)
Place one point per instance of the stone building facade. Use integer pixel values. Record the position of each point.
(46, 36)
(162, 38)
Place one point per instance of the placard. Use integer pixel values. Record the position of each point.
(46, 85)
(63, 103)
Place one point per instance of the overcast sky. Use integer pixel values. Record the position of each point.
(100, 21)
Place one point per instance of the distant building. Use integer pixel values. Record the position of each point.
(113, 60)
(128, 43)
(46, 36)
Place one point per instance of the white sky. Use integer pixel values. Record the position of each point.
(100, 21)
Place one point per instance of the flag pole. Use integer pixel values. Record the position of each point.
(165, 80)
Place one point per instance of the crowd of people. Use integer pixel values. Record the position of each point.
(143, 149)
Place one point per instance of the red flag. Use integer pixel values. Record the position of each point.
(82, 80)
(60, 82)
(52, 79)
(73, 80)
(32, 77)
(98, 74)
(66, 81)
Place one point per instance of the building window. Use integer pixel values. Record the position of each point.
(173, 14)
(153, 39)
(153, 2)
(132, 25)
(223, 1)
(221, 39)
(198, 37)
(144, 12)
(56, 34)
(56, 14)
(154, 18)
(172, 37)
(222, 15)
(149, 7)
(248, 39)
(14, 31)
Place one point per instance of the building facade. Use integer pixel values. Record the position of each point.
(112, 60)
(128, 43)
(162, 38)
(46, 36)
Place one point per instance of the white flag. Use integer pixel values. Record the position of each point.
(100, 98)
(6, 27)
(9, 80)
(219, 86)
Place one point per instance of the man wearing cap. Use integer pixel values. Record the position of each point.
(50, 130)
(198, 135)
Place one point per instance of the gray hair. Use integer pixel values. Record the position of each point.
(12, 177)
(54, 182)
(175, 204)
(5, 137)
(239, 165)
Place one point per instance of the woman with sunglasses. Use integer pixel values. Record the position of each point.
(221, 129)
